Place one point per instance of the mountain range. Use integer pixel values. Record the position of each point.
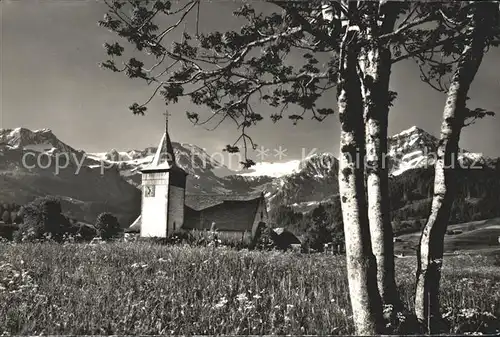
(89, 183)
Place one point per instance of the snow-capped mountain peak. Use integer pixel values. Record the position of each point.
(415, 148)
(42, 140)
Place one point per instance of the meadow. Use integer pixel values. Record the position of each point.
(144, 288)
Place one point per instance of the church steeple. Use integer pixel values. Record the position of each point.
(164, 188)
(164, 157)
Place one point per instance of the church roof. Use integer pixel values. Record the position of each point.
(135, 226)
(229, 214)
(202, 201)
(164, 158)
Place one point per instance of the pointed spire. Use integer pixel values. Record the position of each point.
(164, 156)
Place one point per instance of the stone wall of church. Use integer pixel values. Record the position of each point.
(176, 208)
(260, 215)
(154, 208)
(234, 235)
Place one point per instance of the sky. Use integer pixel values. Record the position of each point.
(50, 50)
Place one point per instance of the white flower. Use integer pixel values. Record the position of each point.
(242, 297)
(223, 301)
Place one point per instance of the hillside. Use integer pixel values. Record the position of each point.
(84, 191)
(475, 235)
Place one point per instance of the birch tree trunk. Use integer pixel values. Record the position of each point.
(430, 254)
(375, 70)
(361, 264)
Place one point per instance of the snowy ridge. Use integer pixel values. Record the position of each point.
(415, 148)
(42, 140)
(274, 170)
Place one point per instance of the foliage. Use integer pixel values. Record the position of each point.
(107, 226)
(42, 220)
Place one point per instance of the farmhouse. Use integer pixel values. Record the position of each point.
(167, 208)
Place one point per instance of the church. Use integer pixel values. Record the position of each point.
(166, 208)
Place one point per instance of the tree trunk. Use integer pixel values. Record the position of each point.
(375, 70)
(361, 264)
(430, 254)
(376, 123)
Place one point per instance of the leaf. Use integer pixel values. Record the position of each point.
(276, 117)
(231, 149)
(137, 109)
(192, 116)
(247, 163)
(114, 49)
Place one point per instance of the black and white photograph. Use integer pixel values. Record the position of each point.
(249, 167)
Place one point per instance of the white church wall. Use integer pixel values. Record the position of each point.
(154, 208)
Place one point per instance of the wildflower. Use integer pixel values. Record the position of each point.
(223, 301)
(242, 297)
(468, 312)
(249, 307)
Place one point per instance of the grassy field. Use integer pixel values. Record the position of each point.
(139, 288)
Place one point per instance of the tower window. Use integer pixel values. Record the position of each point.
(149, 191)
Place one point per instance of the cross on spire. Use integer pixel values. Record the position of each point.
(166, 114)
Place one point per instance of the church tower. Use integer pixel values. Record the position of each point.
(163, 193)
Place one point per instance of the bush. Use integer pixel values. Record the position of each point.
(42, 219)
(320, 232)
(6, 217)
(263, 239)
(107, 226)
